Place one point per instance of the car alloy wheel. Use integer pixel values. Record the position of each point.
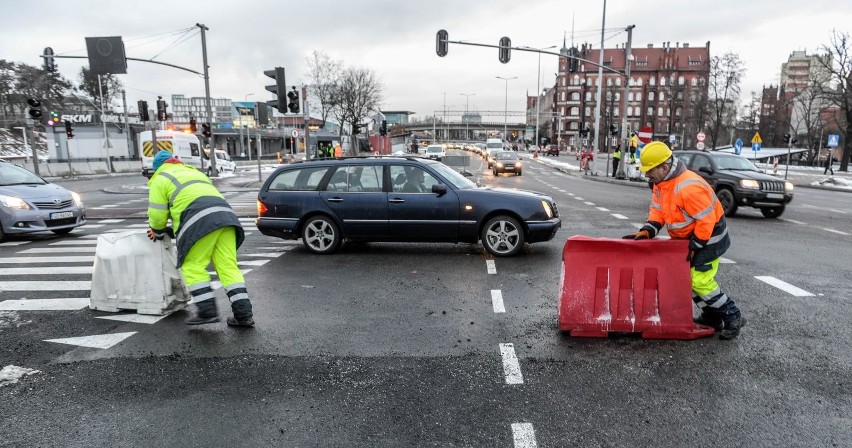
(729, 205)
(320, 235)
(503, 236)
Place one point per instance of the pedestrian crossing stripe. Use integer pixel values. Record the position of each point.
(148, 147)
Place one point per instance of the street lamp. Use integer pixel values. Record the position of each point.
(248, 142)
(506, 105)
(537, 89)
(466, 104)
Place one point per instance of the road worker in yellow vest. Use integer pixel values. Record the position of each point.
(687, 205)
(206, 229)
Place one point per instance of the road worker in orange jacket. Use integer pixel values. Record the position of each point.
(687, 205)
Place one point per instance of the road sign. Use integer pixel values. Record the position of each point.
(833, 140)
(755, 147)
(738, 146)
(699, 146)
(295, 133)
(645, 134)
(700, 136)
(672, 138)
(756, 139)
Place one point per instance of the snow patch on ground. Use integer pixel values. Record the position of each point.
(11, 374)
(836, 182)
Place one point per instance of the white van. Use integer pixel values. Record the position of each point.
(184, 146)
(492, 147)
(223, 162)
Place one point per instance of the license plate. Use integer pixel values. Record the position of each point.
(61, 215)
(510, 168)
(774, 196)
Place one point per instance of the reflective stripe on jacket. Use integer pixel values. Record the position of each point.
(687, 205)
(195, 206)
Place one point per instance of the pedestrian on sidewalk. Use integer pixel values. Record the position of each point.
(616, 157)
(829, 164)
(686, 204)
(207, 229)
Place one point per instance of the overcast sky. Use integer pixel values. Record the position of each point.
(396, 39)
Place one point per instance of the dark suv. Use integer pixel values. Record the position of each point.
(738, 182)
(404, 199)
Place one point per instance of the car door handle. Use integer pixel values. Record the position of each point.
(335, 199)
(396, 200)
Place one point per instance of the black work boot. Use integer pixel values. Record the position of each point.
(732, 328)
(242, 314)
(206, 313)
(710, 320)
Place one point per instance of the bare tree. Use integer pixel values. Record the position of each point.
(110, 85)
(750, 117)
(726, 74)
(359, 93)
(323, 76)
(839, 93)
(34, 82)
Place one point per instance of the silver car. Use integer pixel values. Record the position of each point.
(29, 204)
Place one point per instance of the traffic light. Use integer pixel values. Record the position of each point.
(278, 88)
(293, 105)
(441, 42)
(383, 129)
(613, 129)
(69, 131)
(35, 108)
(356, 129)
(205, 130)
(54, 118)
(49, 61)
(143, 110)
(505, 49)
(192, 125)
(161, 109)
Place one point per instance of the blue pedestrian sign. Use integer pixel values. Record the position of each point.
(755, 147)
(738, 146)
(833, 140)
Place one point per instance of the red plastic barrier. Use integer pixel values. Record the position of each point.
(611, 285)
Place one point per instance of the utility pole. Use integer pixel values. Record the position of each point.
(598, 96)
(126, 124)
(214, 172)
(107, 144)
(628, 61)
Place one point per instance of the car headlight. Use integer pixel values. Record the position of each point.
(499, 165)
(518, 165)
(547, 208)
(750, 184)
(788, 186)
(14, 202)
(78, 201)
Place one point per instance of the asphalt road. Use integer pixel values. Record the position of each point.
(402, 345)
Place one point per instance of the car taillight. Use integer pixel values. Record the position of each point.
(261, 208)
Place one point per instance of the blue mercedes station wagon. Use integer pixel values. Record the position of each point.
(405, 199)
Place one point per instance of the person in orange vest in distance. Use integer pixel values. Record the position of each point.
(687, 205)
(338, 151)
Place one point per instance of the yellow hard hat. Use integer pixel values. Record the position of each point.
(653, 155)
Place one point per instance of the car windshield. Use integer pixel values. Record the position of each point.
(505, 155)
(453, 177)
(14, 175)
(495, 145)
(734, 163)
(435, 149)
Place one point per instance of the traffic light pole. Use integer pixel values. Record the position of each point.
(307, 116)
(213, 171)
(620, 171)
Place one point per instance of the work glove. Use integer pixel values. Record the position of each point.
(695, 244)
(640, 235)
(155, 235)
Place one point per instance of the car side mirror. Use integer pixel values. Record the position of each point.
(706, 169)
(441, 189)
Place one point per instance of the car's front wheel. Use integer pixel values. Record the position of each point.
(503, 236)
(772, 212)
(321, 235)
(726, 197)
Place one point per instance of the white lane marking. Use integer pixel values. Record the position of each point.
(809, 206)
(490, 266)
(603, 209)
(523, 435)
(570, 194)
(248, 233)
(725, 260)
(103, 341)
(77, 303)
(108, 206)
(511, 366)
(837, 211)
(54, 285)
(53, 250)
(794, 221)
(136, 318)
(110, 221)
(497, 301)
(579, 198)
(619, 216)
(589, 203)
(14, 243)
(784, 286)
(48, 270)
(138, 226)
(265, 254)
(52, 260)
(834, 231)
(89, 226)
(73, 243)
(637, 225)
(252, 262)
